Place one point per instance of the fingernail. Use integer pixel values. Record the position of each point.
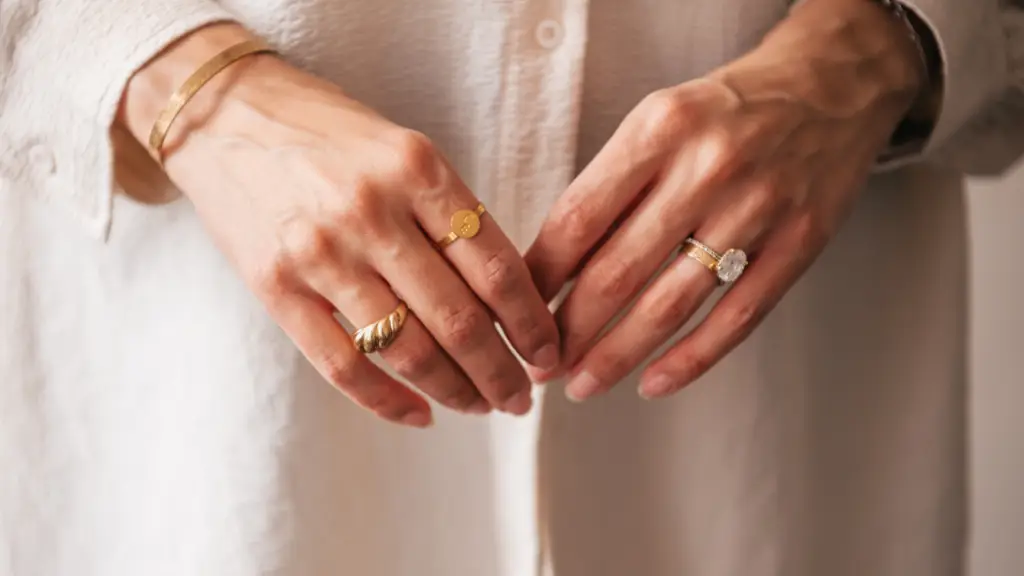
(656, 387)
(582, 386)
(543, 376)
(547, 357)
(419, 419)
(520, 404)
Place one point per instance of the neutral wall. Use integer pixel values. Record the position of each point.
(997, 389)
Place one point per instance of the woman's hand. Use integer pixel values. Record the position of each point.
(766, 155)
(325, 206)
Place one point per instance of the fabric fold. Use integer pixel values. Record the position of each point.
(63, 68)
(983, 102)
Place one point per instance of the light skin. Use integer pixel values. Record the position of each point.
(324, 206)
(766, 154)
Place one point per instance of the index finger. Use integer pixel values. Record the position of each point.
(493, 269)
(602, 193)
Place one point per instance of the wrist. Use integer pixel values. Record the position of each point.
(842, 57)
(150, 89)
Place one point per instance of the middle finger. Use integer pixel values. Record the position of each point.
(670, 301)
(456, 318)
(494, 269)
(620, 268)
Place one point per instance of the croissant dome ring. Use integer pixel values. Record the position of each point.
(379, 335)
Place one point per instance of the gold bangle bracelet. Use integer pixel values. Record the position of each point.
(195, 82)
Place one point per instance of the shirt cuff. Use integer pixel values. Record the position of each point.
(62, 87)
(973, 55)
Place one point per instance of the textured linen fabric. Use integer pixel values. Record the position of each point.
(153, 420)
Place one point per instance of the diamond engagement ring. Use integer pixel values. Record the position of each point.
(728, 267)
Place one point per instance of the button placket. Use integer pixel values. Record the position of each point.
(549, 114)
(541, 71)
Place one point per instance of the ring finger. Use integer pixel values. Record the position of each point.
(459, 322)
(494, 269)
(669, 301)
(311, 324)
(413, 354)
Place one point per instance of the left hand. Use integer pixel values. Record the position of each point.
(766, 155)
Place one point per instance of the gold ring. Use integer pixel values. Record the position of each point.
(379, 335)
(464, 224)
(728, 267)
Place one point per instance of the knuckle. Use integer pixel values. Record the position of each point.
(574, 225)
(363, 197)
(744, 317)
(502, 276)
(363, 212)
(340, 371)
(505, 388)
(765, 198)
(274, 280)
(811, 233)
(363, 202)
(720, 156)
(615, 280)
(337, 370)
(531, 333)
(501, 380)
(767, 191)
(417, 160)
(307, 243)
(414, 148)
(612, 368)
(690, 366)
(462, 398)
(665, 114)
(378, 403)
(464, 327)
(375, 399)
(391, 411)
(413, 361)
(668, 310)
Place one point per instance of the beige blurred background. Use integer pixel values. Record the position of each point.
(997, 388)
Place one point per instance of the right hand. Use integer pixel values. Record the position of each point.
(322, 205)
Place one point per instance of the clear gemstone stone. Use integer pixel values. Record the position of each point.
(731, 266)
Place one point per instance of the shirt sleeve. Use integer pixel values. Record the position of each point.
(63, 67)
(980, 128)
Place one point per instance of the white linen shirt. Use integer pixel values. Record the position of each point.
(153, 420)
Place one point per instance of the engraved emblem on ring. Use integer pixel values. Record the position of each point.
(379, 335)
(463, 224)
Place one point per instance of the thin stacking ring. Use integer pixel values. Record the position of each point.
(379, 335)
(728, 267)
(464, 224)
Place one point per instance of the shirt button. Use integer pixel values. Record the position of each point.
(549, 34)
(42, 158)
